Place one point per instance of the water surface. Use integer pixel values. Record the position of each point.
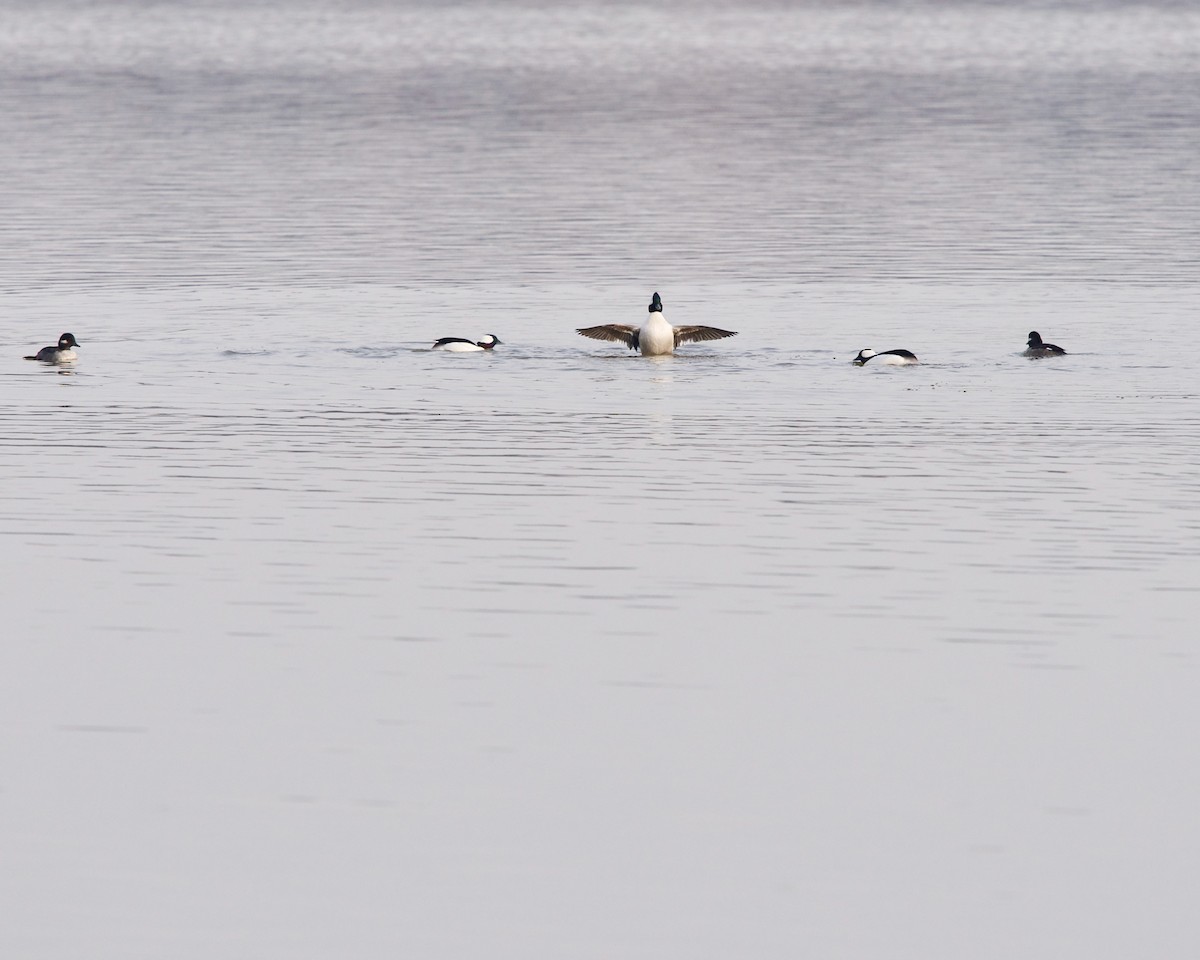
(320, 643)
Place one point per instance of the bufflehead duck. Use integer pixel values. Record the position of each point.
(895, 358)
(655, 337)
(1036, 348)
(60, 354)
(459, 345)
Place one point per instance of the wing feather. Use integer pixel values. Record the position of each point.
(619, 332)
(687, 334)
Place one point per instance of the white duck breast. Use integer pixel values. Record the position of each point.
(891, 358)
(461, 345)
(63, 353)
(655, 337)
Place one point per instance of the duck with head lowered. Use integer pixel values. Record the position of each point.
(655, 337)
(462, 345)
(893, 358)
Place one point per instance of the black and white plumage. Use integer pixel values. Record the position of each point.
(63, 353)
(655, 337)
(461, 345)
(895, 358)
(1039, 348)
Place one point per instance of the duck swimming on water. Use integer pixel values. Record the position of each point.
(655, 337)
(63, 353)
(460, 345)
(1039, 348)
(895, 358)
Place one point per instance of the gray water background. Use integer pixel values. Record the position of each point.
(317, 643)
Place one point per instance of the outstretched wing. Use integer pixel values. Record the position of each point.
(619, 332)
(686, 334)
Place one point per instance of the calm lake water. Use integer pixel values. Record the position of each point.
(318, 643)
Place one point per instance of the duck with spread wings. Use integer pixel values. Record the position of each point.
(655, 337)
